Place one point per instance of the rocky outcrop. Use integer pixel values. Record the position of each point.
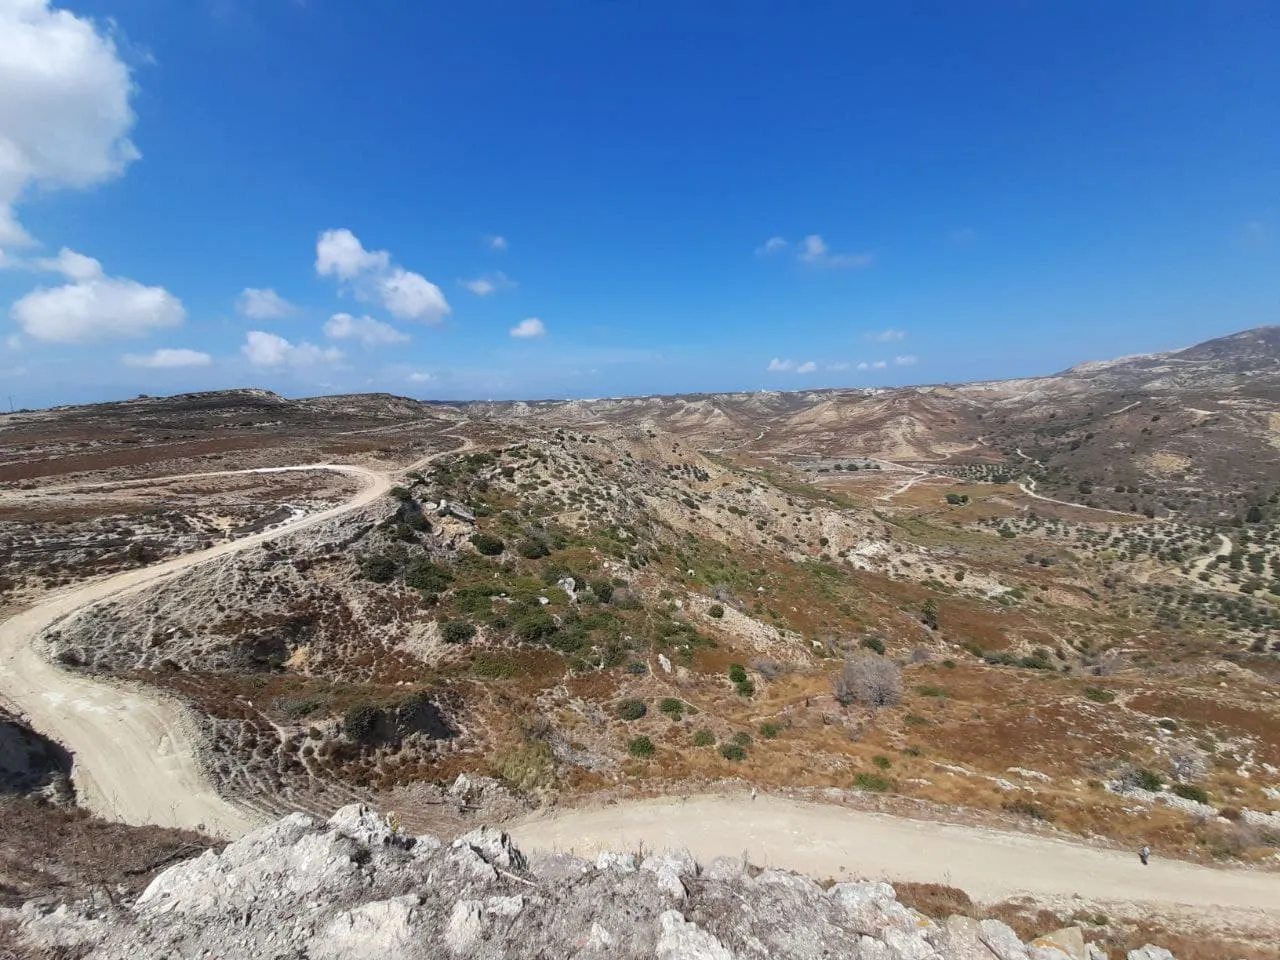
(356, 888)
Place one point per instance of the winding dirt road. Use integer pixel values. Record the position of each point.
(828, 841)
(135, 750)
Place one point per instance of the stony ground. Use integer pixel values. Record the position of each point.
(357, 887)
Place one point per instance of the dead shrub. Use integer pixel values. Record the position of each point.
(869, 680)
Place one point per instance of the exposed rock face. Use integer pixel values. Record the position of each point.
(357, 889)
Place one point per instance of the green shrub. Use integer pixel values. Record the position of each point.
(949, 664)
(456, 631)
(1026, 808)
(378, 568)
(1189, 791)
(704, 738)
(532, 548)
(671, 707)
(360, 721)
(770, 730)
(873, 782)
(1148, 780)
(486, 544)
(742, 738)
(737, 672)
(494, 667)
(874, 644)
(884, 763)
(535, 625)
(926, 690)
(745, 688)
(603, 590)
(1098, 695)
(641, 747)
(715, 611)
(731, 751)
(422, 574)
(631, 710)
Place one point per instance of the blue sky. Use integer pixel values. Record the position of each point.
(660, 196)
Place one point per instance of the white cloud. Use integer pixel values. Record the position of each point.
(771, 246)
(790, 366)
(838, 366)
(166, 358)
(72, 265)
(263, 304)
(863, 365)
(419, 377)
(814, 251)
(64, 115)
(94, 306)
(906, 360)
(370, 332)
(373, 278)
(879, 365)
(490, 283)
(269, 350)
(891, 335)
(525, 329)
(496, 241)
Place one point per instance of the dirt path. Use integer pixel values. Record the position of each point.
(1224, 550)
(1029, 488)
(135, 751)
(835, 842)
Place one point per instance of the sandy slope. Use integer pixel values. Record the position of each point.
(135, 757)
(835, 842)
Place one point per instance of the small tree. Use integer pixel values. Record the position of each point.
(715, 611)
(486, 544)
(929, 614)
(870, 680)
(456, 631)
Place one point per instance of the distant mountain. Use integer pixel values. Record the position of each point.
(1246, 359)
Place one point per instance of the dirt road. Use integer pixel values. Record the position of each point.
(135, 751)
(835, 842)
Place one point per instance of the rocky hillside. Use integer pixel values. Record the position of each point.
(356, 887)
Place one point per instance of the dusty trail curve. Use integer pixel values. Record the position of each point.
(135, 751)
(835, 842)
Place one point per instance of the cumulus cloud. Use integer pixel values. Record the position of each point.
(489, 283)
(496, 241)
(269, 350)
(263, 304)
(791, 366)
(526, 329)
(93, 306)
(814, 251)
(370, 332)
(891, 335)
(65, 115)
(906, 360)
(373, 277)
(771, 246)
(168, 358)
(419, 377)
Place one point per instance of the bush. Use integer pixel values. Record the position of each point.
(745, 688)
(869, 680)
(704, 738)
(874, 644)
(742, 738)
(429, 577)
(770, 730)
(534, 626)
(884, 763)
(1147, 780)
(1189, 791)
(456, 631)
(926, 690)
(631, 710)
(731, 751)
(671, 707)
(715, 611)
(641, 747)
(360, 721)
(532, 548)
(486, 544)
(1026, 808)
(603, 590)
(378, 568)
(737, 672)
(1098, 695)
(873, 782)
